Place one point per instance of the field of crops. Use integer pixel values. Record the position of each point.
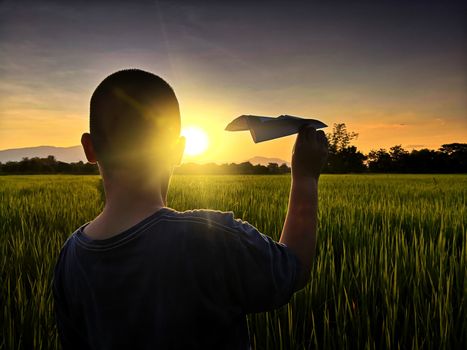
(389, 273)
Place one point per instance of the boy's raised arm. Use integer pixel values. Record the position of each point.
(299, 232)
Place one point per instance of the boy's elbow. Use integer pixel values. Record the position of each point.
(302, 279)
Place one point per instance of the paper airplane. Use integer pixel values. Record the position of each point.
(268, 128)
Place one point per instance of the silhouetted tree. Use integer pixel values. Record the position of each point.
(273, 168)
(379, 161)
(399, 159)
(284, 169)
(427, 161)
(456, 156)
(343, 158)
(340, 138)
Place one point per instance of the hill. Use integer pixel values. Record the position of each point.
(64, 154)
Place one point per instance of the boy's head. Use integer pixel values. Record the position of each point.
(134, 122)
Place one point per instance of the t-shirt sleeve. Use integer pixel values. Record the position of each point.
(262, 273)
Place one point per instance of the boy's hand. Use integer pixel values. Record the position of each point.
(310, 153)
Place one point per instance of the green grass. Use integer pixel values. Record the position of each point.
(389, 273)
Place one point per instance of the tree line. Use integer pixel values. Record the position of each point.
(343, 158)
(50, 165)
(346, 158)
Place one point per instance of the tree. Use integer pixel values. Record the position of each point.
(426, 161)
(343, 158)
(397, 153)
(284, 169)
(456, 154)
(399, 159)
(453, 148)
(352, 160)
(273, 168)
(340, 138)
(379, 161)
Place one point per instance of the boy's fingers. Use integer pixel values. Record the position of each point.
(322, 137)
(302, 132)
(310, 133)
(300, 137)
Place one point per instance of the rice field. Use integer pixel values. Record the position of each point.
(390, 270)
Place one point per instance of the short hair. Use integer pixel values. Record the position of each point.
(132, 112)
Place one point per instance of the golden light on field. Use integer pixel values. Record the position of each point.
(197, 140)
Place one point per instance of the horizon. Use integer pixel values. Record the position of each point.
(83, 157)
(186, 160)
(395, 74)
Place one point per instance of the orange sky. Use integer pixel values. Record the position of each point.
(389, 82)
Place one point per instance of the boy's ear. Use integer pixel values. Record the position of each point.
(88, 148)
(179, 150)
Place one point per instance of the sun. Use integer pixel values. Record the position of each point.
(196, 140)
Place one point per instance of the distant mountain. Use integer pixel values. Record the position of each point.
(266, 160)
(64, 154)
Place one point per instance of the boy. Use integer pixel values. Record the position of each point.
(144, 276)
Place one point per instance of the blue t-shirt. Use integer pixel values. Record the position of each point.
(176, 280)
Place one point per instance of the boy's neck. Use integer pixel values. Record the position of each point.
(127, 203)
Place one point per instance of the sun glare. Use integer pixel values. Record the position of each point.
(196, 141)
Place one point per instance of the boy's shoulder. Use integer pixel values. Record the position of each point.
(187, 220)
(208, 219)
(208, 216)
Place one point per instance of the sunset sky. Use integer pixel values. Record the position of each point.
(396, 74)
